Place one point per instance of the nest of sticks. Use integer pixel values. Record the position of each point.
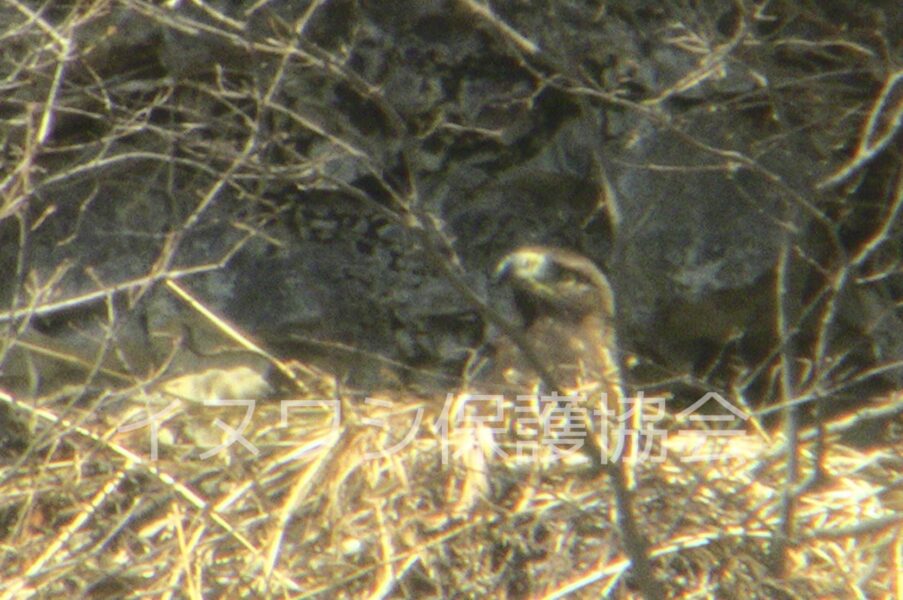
(336, 495)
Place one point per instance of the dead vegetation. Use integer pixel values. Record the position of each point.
(383, 503)
(180, 126)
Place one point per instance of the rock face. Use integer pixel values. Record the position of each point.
(285, 152)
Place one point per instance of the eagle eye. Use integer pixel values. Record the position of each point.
(572, 277)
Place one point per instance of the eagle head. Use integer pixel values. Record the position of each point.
(551, 281)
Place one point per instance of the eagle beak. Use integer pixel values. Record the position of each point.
(523, 264)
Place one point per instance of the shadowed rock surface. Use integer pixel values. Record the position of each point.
(681, 149)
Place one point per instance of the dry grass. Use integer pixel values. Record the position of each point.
(351, 507)
(319, 506)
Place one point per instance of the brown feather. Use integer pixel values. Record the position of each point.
(566, 307)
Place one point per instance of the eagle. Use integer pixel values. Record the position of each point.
(561, 342)
(565, 308)
(566, 313)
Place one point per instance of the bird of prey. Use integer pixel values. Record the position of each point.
(566, 347)
(565, 308)
(563, 343)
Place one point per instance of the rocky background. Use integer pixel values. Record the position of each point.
(733, 166)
